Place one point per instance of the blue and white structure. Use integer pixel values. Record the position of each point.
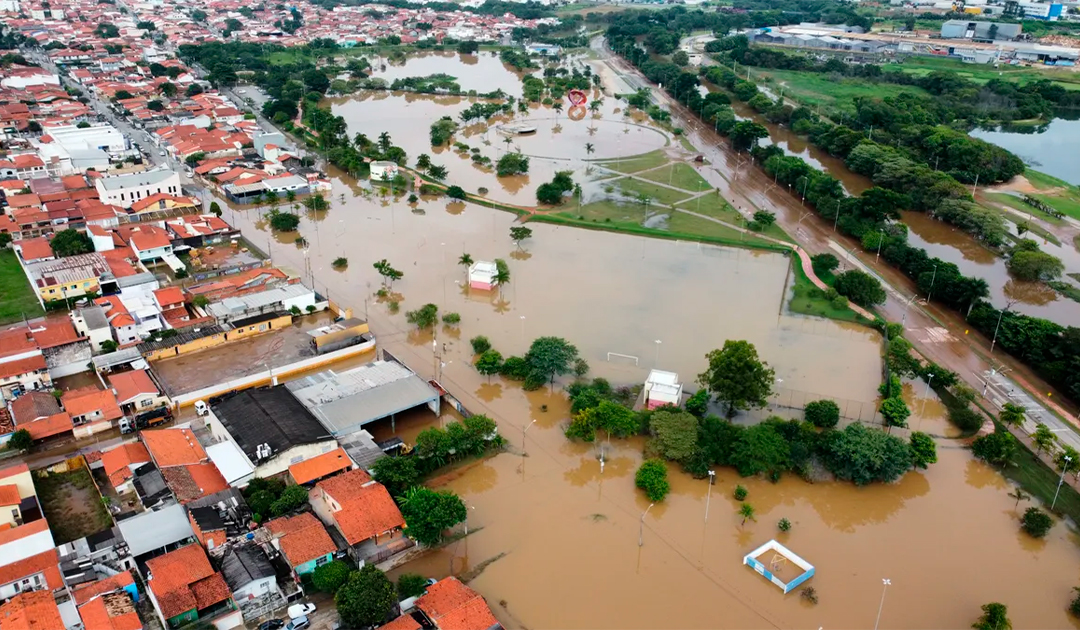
(787, 554)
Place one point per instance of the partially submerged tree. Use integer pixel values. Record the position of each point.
(737, 377)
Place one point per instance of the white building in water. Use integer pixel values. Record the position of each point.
(662, 388)
(482, 275)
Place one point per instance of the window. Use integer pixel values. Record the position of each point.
(321, 560)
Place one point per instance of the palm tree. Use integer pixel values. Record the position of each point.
(589, 148)
(523, 106)
(508, 140)
(1019, 495)
(502, 276)
(557, 106)
(362, 142)
(746, 511)
(290, 196)
(465, 261)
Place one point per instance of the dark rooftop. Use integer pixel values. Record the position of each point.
(257, 319)
(244, 564)
(183, 335)
(207, 518)
(271, 416)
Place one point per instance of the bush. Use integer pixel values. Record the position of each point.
(996, 448)
(411, 585)
(20, 440)
(1036, 522)
(740, 493)
(860, 288)
(824, 414)
(292, 498)
(652, 478)
(331, 576)
(284, 221)
(698, 404)
(480, 344)
(1074, 607)
(824, 264)
(456, 192)
(451, 318)
(965, 418)
(515, 369)
(340, 262)
(784, 525)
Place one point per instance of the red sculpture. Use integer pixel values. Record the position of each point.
(577, 97)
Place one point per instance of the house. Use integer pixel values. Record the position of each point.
(156, 531)
(121, 582)
(90, 322)
(270, 427)
(99, 559)
(124, 190)
(34, 610)
(149, 243)
(92, 410)
(302, 541)
(136, 392)
(363, 512)
(183, 463)
(450, 605)
(121, 463)
(320, 466)
(250, 576)
(162, 202)
(184, 588)
(482, 275)
(70, 277)
(28, 559)
(662, 388)
(39, 413)
(209, 527)
(110, 611)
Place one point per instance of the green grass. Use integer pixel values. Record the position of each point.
(1036, 478)
(816, 88)
(748, 242)
(609, 210)
(1017, 211)
(685, 142)
(637, 163)
(660, 194)
(1042, 181)
(980, 73)
(1066, 202)
(810, 300)
(1018, 204)
(1067, 289)
(719, 208)
(683, 223)
(679, 175)
(17, 298)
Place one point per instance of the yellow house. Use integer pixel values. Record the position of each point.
(70, 277)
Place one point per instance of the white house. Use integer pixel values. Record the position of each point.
(21, 78)
(121, 190)
(482, 275)
(149, 242)
(101, 136)
(249, 574)
(90, 322)
(662, 388)
(383, 170)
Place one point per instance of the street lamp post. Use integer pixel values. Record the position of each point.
(837, 216)
(657, 359)
(708, 496)
(879, 242)
(885, 586)
(1063, 469)
(522, 328)
(993, 341)
(903, 320)
(523, 432)
(467, 519)
(641, 526)
(930, 293)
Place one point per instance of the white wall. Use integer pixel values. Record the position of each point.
(133, 190)
(25, 547)
(256, 588)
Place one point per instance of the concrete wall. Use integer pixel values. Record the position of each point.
(220, 339)
(281, 462)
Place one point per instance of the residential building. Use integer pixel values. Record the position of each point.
(70, 277)
(210, 529)
(157, 531)
(124, 190)
(302, 541)
(39, 413)
(92, 410)
(121, 582)
(35, 610)
(28, 559)
(450, 605)
(184, 588)
(321, 466)
(136, 392)
(110, 611)
(235, 310)
(270, 427)
(251, 578)
(363, 513)
(101, 557)
(149, 243)
(183, 463)
(90, 322)
(120, 464)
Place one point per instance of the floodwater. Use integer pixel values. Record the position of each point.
(1050, 148)
(555, 543)
(482, 72)
(563, 141)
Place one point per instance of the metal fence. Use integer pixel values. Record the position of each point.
(796, 400)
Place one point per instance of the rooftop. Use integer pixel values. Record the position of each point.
(34, 610)
(452, 605)
(131, 180)
(268, 416)
(302, 538)
(173, 447)
(320, 466)
(149, 531)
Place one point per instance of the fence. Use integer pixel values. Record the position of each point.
(795, 400)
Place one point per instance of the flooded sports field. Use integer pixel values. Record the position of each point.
(554, 542)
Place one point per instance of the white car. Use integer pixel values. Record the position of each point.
(297, 611)
(241, 91)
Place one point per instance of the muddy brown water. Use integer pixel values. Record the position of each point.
(482, 72)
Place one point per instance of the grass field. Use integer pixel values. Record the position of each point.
(810, 300)
(16, 296)
(1016, 211)
(982, 73)
(660, 194)
(683, 223)
(816, 88)
(637, 163)
(1036, 478)
(679, 175)
(1059, 194)
(609, 210)
(717, 207)
(1018, 204)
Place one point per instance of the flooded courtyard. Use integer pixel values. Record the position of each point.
(553, 540)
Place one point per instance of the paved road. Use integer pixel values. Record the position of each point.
(939, 334)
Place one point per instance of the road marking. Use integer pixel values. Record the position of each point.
(937, 335)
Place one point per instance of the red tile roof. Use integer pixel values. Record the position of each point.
(23, 531)
(320, 466)
(11, 471)
(131, 385)
(22, 366)
(194, 481)
(454, 606)
(47, 427)
(87, 400)
(345, 486)
(210, 590)
(114, 611)
(369, 513)
(173, 447)
(34, 248)
(9, 495)
(404, 622)
(117, 462)
(36, 610)
(84, 592)
(169, 295)
(47, 563)
(173, 576)
(302, 538)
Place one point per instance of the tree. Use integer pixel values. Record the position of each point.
(466, 261)
(489, 362)
(651, 477)
(455, 192)
(675, 434)
(193, 90)
(1043, 438)
(429, 513)
(284, 221)
(761, 449)
(895, 411)
(480, 344)
(736, 377)
(549, 357)
(367, 598)
(698, 404)
(995, 448)
(746, 133)
(1012, 415)
(863, 455)
(824, 414)
(860, 288)
(331, 576)
(551, 193)
(387, 272)
(424, 317)
(468, 47)
(438, 172)
(824, 263)
(215, 209)
(680, 58)
(994, 617)
(1074, 606)
(923, 450)
(20, 440)
(317, 203)
(502, 274)
(423, 161)
(292, 498)
(747, 512)
(411, 585)
(1028, 265)
(520, 233)
(71, 243)
(1019, 494)
(398, 474)
(168, 89)
(511, 164)
(1036, 522)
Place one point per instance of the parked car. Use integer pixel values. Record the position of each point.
(272, 624)
(201, 408)
(298, 624)
(303, 609)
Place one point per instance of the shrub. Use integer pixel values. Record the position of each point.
(861, 288)
(480, 344)
(451, 318)
(784, 525)
(340, 262)
(824, 414)
(740, 493)
(411, 585)
(284, 221)
(292, 498)
(965, 418)
(824, 264)
(652, 478)
(331, 576)
(515, 369)
(698, 404)
(1036, 522)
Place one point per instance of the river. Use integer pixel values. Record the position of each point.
(1048, 147)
